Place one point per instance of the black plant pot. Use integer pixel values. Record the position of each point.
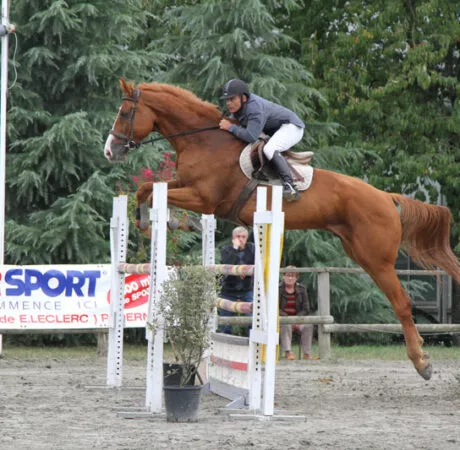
(182, 403)
(172, 374)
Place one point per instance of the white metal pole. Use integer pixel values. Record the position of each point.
(4, 89)
(158, 274)
(276, 232)
(119, 232)
(257, 335)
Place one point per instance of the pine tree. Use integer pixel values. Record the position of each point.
(59, 186)
(214, 41)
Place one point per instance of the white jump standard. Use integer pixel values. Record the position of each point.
(268, 230)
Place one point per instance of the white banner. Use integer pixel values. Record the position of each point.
(66, 296)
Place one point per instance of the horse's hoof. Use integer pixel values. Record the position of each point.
(142, 226)
(173, 223)
(426, 372)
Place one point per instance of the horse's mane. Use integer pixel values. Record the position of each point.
(183, 100)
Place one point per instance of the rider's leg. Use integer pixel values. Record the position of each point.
(280, 164)
(285, 138)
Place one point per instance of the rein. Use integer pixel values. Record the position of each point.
(131, 143)
(182, 133)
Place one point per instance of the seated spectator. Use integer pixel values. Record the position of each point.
(294, 301)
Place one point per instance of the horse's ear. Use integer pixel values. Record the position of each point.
(127, 87)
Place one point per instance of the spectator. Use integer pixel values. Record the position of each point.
(237, 288)
(294, 301)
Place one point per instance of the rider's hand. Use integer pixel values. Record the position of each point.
(236, 243)
(225, 124)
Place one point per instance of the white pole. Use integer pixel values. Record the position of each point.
(4, 89)
(119, 232)
(158, 274)
(276, 232)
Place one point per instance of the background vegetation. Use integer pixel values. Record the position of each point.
(376, 82)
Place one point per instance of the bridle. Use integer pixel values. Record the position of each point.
(130, 143)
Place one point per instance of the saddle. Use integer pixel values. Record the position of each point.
(258, 170)
(262, 169)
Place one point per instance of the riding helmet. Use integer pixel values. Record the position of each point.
(234, 87)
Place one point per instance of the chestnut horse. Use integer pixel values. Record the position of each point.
(370, 223)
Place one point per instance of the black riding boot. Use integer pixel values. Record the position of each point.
(290, 193)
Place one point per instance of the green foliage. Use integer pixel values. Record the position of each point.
(391, 72)
(386, 71)
(59, 187)
(186, 304)
(214, 41)
(354, 298)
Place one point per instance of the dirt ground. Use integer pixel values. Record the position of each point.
(46, 404)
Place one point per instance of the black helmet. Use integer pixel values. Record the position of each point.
(234, 87)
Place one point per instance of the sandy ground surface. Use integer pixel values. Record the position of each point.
(45, 404)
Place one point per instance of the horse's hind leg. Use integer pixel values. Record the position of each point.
(389, 283)
(379, 261)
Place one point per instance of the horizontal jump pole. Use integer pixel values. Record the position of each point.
(234, 306)
(224, 269)
(390, 328)
(229, 269)
(143, 268)
(356, 270)
(284, 320)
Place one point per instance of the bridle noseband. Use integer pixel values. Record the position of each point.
(129, 141)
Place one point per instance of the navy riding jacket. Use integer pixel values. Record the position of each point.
(258, 115)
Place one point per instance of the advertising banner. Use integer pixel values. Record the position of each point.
(67, 296)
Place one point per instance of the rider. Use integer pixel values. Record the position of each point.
(257, 115)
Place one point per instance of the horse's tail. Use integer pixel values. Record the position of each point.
(426, 235)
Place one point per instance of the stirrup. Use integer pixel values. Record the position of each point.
(290, 193)
(259, 175)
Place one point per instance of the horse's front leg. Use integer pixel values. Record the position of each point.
(182, 197)
(189, 199)
(144, 201)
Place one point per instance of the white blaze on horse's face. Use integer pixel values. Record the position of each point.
(113, 149)
(107, 151)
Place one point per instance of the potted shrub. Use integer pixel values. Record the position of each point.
(186, 304)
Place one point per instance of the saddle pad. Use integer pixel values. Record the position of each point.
(306, 171)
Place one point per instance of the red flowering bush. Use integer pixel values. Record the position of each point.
(177, 240)
(165, 172)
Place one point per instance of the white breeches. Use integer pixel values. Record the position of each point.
(285, 138)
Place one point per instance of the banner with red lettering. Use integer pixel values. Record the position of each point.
(67, 296)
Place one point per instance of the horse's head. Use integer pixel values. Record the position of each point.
(133, 123)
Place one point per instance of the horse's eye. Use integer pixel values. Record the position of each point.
(124, 115)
